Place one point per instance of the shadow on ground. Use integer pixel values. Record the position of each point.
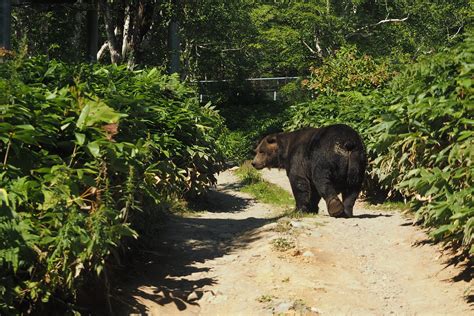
(221, 201)
(164, 274)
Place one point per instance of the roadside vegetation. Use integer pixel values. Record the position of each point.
(417, 125)
(92, 154)
(88, 155)
(262, 190)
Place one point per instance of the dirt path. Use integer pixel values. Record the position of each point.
(232, 260)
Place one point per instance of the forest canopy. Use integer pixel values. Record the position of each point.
(232, 39)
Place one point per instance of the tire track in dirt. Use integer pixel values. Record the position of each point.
(222, 262)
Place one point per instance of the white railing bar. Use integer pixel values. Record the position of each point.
(248, 79)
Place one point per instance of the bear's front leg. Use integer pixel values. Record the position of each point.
(314, 200)
(301, 188)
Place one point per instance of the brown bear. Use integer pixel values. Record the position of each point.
(319, 162)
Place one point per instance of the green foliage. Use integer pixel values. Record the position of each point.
(85, 152)
(347, 71)
(218, 39)
(418, 131)
(425, 141)
(247, 124)
(280, 30)
(292, 92)
(237, 146)
(343, 87)
(352, 108)
(237, 39)
(49, 31)
(417, 26)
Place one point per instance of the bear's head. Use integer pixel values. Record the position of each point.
(266, 154)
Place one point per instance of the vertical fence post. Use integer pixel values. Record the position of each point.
(92, 31)
(5, 23)
(174, 46)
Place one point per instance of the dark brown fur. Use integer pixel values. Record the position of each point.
(319, 162)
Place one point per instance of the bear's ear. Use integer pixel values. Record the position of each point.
(271, 139)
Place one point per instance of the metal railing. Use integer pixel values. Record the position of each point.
(269, 85)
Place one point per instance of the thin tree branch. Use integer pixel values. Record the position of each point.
(378, 23)
(390, 20)
(309, 47)
(455, 34)
(231, 49)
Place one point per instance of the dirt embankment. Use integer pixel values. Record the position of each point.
(243, 258)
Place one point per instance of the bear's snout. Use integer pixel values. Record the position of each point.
(257, 165)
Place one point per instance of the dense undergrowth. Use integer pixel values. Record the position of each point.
(86, 153)
(247, 123)
(417, 126)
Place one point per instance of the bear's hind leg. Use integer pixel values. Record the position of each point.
(328, 192)
(335, 207)
(349, 197)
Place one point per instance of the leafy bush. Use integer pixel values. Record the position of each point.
(425, 141)
(347, 70)
(418, 129)
(86, 150)
(291, 93)
(247, 124)
(352, 108)
(344, 92)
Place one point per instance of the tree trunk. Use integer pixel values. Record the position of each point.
(142, 22)
(115, 55)
(126, 33)
(5, 24)
(127, 27)
(101, 51)
(76, 36)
